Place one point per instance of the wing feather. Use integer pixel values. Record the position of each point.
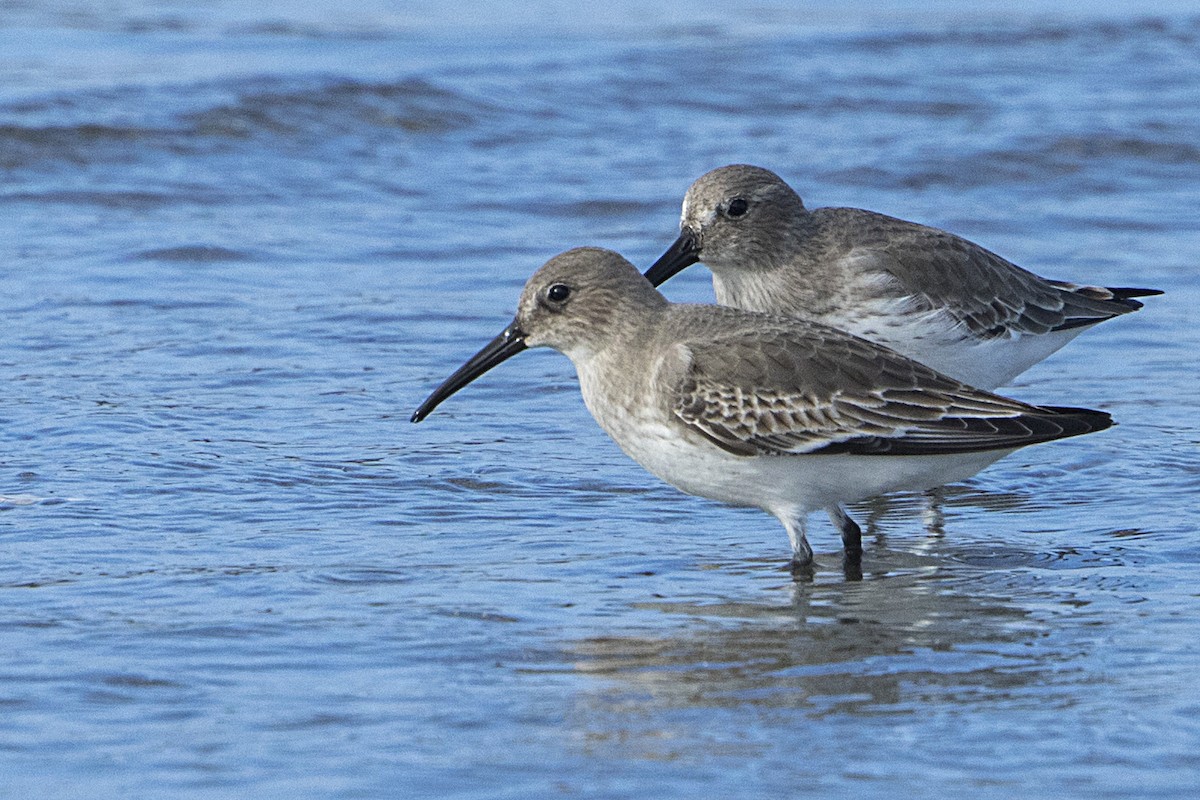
(779, 386)
(985, 293)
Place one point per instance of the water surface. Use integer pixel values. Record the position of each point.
(240, 242)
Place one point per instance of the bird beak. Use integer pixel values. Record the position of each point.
(510, 342)
(684, 253)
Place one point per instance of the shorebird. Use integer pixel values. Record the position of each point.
(769, 411)
(921, 291)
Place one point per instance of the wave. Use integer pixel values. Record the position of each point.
(124, 126)
(1100, 156)
(1053, 31)
(414, 106)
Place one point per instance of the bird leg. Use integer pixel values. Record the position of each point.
(851, 533)
(802, 554)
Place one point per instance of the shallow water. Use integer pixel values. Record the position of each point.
(239, 243)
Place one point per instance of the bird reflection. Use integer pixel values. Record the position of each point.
(931, 507)
(913, 633)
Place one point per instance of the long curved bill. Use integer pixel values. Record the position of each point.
(683, 253)
(510, 342)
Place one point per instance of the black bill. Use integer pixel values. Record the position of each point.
(684, 253)
(510, 342)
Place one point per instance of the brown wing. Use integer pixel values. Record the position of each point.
(989, 295)
(795, 387)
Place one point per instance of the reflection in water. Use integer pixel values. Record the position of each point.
(897, 512)
(909, 638)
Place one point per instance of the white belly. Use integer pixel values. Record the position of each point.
(982, 363)
(774, 483)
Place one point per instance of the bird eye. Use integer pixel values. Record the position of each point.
(558, 293)
(737, 206)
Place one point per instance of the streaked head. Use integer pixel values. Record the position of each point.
(735, 217)
(575, 303)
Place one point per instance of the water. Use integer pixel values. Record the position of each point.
(239, 242)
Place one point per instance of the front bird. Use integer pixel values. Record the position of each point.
(774, 412)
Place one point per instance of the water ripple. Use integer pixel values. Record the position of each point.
(241, 241)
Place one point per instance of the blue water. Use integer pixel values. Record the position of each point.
(240, 242)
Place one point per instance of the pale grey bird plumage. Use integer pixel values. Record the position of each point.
(780, 413)
(924, 292)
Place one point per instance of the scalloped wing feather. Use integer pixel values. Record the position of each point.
(985, 293)
(779, 391)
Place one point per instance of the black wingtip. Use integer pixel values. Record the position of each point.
(1116, 300)
(1040, 424)
(1078, 421)
(1127, 292)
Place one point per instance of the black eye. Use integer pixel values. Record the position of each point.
(558, 293)
(737, 206)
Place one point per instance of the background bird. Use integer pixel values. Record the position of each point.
(921, 291)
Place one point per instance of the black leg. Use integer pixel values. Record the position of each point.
(851, 542)
(851, 536)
